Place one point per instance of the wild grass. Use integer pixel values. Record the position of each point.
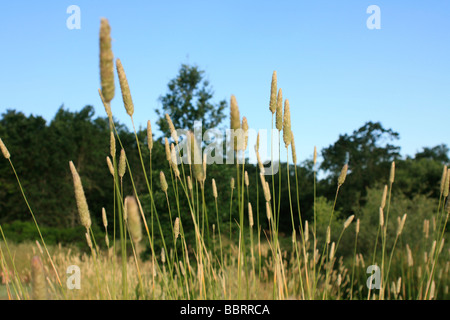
(247, 258)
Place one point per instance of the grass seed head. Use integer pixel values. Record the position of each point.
(196, 156)
(126, 94)
(83, 209)
(173, 132)
(134, 220)
(381, 214)
(214, 188)
(348, 221)
(268, 211)
(383, 198)
(287, 134)
(122, 163)
(245, 129)
(38, 283)
(294, 152)
(250, 215)
(279, 111)
(235, 120)
(443, 178)
(409, 255)
(4, 150)
(174, 161)
(176, 228)
(332, 249)
(106, 62)
(104, 219)
(167, 149)
(392, 173)
(446, 184)
(149, 136)
(112, 145)
(273, 93)
(343, 175)
(163, 182)
(401, 224)
(110, 166)
(315, 156)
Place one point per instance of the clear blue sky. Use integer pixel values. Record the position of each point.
(336, 73)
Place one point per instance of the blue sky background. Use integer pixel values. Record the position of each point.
(336, 73)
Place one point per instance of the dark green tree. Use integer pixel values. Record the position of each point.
(189, 100)
(369, 155)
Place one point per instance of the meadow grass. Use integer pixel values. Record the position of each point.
(253, 263)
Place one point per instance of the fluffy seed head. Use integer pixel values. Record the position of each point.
(328, 235)
(104, 219)
(432, 290)
(383, 198)
(232, 183)
(332, 251)
(348, 221)
(273, 93)
(167, 149)
(392, 173)
(426, 227)
(163, 182)
(112, 145)
(257, 143)
(267, 195)
(189, 182)
(409, 255)
(126, 94)
(110, 166)
(443, 178)
(279, 111)
(122, 163)
(343, 175)
(106, 62)
(381, 217)
(268, 211)
(83, 210)
(306, 231)
(250, 215)
(294, 152)
(173, 132)
(315, 156)
(4, 150)
(357, 226)
(235, 122)
(204, 166)
(163, 256)
(246, 180)
(149, 136)
(446, 184)
(174, 162)
(196, 156)
(176, 227)
(214, 188)
(134, 220)
(38, 283)
(287, 134)
(245, 129)
(401, 224)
